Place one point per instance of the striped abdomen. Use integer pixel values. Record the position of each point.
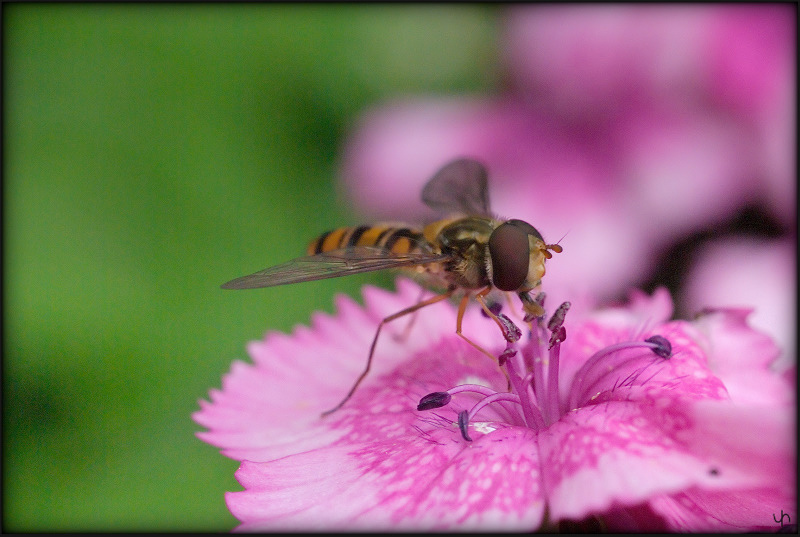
(398, 240)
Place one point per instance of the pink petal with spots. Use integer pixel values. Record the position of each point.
(434, 481)
(271, 408)
(377, 462)
(757, 442)
(657, 429)
(610, 454)
(623, 453)
(387, 466)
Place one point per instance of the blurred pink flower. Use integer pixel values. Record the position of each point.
(623, 129)
(614, 415)
(731, 65)
(587, 57)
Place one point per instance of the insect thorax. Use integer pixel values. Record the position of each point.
(466, 241)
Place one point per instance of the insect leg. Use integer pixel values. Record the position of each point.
(479, 298)
(413, 317)
(462, 308)
(511, 309)
(412, 309)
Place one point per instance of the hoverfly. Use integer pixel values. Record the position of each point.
(470, 252)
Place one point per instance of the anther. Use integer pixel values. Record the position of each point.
(662, 347)
(434, 400)
(511, 331)
(558, 317)
(558, 336)
(463, 424)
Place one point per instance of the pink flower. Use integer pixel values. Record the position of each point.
(614, 415)
(737, 58)
(732, 65)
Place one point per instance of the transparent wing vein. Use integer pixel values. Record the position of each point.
(331, 265)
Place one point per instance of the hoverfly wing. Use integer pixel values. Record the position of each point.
(331, 264)
(459, 187)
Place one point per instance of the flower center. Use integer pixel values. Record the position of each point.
(535, 397)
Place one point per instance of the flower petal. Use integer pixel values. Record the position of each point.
(434, 482)
(748, 272)
(742, 357)
(623, 453)
(750, 510)
(393, 467)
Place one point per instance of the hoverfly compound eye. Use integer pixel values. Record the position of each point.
(527, 228)
(509, 250)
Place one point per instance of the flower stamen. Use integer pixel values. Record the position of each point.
(659, 345)
(463, 425)
(434, 400)
(511, 332)
(558, 317)
(495, 397)
(533, 375)
(531, 414)
(662, 347)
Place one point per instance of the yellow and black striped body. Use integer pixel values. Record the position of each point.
(390, 237)
(463, 240)
(397, 240)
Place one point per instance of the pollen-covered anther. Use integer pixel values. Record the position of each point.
(558, 317)
(434, 400)
(463, 425)
(511, 332)
(558, 336)
(661, 346)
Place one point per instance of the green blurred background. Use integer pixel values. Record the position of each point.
(152, 152)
